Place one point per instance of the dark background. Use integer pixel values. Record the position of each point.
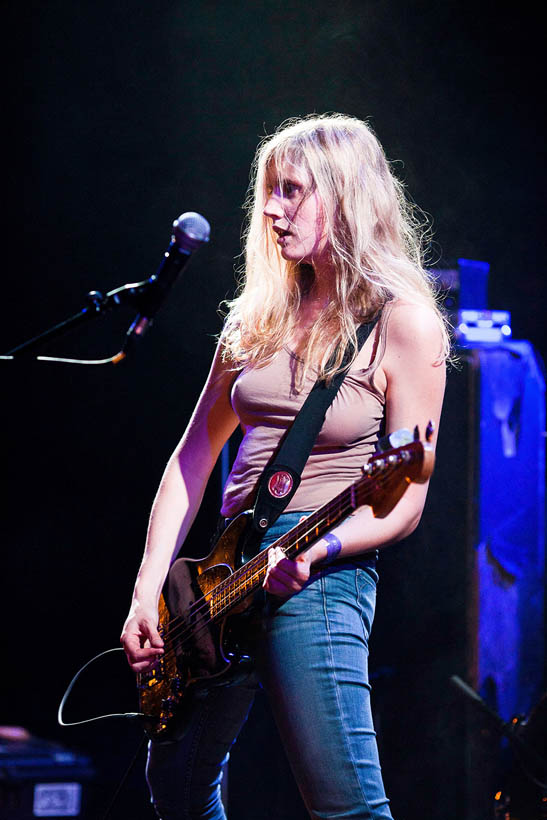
(124, 115)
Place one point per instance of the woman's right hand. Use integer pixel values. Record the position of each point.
(140, 638)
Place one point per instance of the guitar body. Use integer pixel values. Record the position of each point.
(206, 614)
(202, 651)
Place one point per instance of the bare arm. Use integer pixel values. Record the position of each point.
(175, 507)
(414, 387)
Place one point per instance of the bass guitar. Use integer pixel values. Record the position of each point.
(205, 606)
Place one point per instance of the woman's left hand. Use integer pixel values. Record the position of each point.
(285, 577)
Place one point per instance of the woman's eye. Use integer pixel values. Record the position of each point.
(289, 189)
(286, 190)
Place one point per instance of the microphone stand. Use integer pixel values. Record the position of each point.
(190, 231)
(526, 752)
(97, 305)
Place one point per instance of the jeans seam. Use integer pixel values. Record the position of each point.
(363, 579)
(336, 692)
(192, 756)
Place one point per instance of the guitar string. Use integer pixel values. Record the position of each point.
(249, 574)
(250, 571)
(343, 506)
(302, 531)
(230, 587)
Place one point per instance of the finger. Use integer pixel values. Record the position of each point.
(131, 643)
(287, 576)
(296, 570)
(275, 558)
(299, 567)
(136, 653)
(142, 666)
(155, 638)
(281, 583)
(283, 576)
(148, 652)
(275, 555)
(149, 632)
(273, 587)
(278, 559)
(141, 658)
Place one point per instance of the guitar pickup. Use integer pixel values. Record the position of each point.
(152, 678)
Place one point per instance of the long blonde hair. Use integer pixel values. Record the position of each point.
(373, 234)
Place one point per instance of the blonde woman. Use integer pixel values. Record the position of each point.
(330, 243)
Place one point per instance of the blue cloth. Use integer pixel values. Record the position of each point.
(312, 662)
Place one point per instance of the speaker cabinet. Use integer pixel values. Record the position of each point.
(464, 595)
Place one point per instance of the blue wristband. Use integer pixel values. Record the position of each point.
(333, 547)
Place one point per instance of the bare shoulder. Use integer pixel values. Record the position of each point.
(213, 419)
(414, 331)
(223, 370)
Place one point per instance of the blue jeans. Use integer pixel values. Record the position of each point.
(312, 662)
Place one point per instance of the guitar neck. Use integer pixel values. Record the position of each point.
(301, 537)
(404, 464)
(296, 541)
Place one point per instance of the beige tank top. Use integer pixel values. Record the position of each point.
(266, 401)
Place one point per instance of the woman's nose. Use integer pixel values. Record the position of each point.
(273, 208)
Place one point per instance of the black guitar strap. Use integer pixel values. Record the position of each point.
(281, 477)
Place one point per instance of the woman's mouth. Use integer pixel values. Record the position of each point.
(281, 235)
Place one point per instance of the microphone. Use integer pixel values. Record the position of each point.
(190, 231)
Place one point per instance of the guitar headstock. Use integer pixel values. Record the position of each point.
(391, 470)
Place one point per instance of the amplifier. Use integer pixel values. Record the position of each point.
(39, 778)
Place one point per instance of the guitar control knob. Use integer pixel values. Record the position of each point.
(168, 705)
(176, 686)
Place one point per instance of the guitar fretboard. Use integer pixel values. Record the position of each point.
(242, 582)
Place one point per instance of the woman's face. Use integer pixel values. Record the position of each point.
(296, 215)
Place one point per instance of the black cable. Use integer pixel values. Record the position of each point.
(121, 784)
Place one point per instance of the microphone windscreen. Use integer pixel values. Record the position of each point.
(191, 230)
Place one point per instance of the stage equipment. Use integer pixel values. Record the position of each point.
(465, 296)
(475, 326)
(464, 595)
(523, 792)
(41, 779)
(190, 231)
(464, 287)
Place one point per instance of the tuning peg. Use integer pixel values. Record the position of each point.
(429, 430)
(397, 439)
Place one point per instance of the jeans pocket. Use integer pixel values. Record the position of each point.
(366, 577)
